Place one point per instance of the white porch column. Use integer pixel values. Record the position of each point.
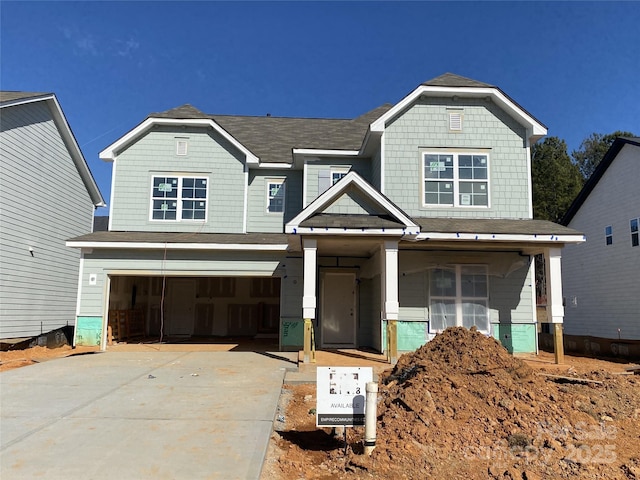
(309, 302)
(390, 304)
(555, 308)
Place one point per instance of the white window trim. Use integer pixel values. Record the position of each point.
(459, 298)
(179, 199)
(632, 233)
(182, 141)
(456, 178)
(283, 186)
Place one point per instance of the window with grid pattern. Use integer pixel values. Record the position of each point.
(178, 198)
(456, 179)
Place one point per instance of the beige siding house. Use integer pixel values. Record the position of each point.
(378, 231)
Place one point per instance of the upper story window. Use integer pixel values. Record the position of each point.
(182, 145)
(275, 195)
(608, 235)
(337, 173)
(459, 296)
(179, 198)
(456, 179)
(633, 225)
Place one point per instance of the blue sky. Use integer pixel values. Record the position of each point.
(574, 66)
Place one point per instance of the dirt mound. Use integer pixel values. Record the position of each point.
(462, 401)
(461, 407)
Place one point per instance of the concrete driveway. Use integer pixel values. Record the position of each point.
(160, 415)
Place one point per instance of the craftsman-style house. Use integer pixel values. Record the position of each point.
(378, 231)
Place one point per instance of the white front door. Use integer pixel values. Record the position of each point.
(180, 306)
(338, 314)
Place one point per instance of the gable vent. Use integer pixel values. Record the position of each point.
(455, 121)
(181, 147)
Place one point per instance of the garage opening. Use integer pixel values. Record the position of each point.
(198, 309)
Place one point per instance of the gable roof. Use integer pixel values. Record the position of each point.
(313, 217)
(451, 85)
(14, 99)
(453, 80)
(597, 174)
(10, 96)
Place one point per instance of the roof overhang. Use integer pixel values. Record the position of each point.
(535, 130)
(110, 153)
(333, 193)
(501, 237)
(176, 246)
(69, 140)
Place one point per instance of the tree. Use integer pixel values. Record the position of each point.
(556, 180)
(592, 150)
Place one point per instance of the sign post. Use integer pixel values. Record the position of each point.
(341, 395)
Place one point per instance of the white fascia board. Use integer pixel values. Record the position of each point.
(325, 152)
(497, 237)
(350, 231)
(109, 153)
(336, 190)
(281, 166)
(70, 141)
(535, 128)
(179, 246)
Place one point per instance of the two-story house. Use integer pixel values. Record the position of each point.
(379, 231)
(601, 281)
(47, 194)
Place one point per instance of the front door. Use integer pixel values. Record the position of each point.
(180, 306)
(338, 314)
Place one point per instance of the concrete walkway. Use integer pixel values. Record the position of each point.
(133, 415)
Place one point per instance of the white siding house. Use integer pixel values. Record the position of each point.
(47, 195)
(602, 276)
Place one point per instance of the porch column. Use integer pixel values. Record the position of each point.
(390, 304)
(555, 309)
(310, 248)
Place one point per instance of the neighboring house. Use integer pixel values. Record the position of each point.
(47, 194)
(376, 232)
(602, 275)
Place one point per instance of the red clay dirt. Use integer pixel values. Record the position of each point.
(462, 407)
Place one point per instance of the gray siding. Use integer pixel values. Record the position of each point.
(44, 202)
(314, 167)
(426, 125)
(605, 279)
(209, 155)
(375, 168)
(258, 219)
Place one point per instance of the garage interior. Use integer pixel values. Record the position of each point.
(174, 309)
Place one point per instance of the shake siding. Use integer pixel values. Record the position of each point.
(258, 219)
(426, 125)
(605, 279)
(175, 263)
(375, 170)
(314, 167)
(209, 155)
(349, 204)
(44, 202)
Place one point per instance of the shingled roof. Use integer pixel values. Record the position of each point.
(7, 96)
(453, 80)
(273, 138)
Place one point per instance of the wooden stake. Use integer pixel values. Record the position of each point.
(558, 345)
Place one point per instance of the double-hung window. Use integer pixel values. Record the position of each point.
(608, 235)
(275, 195)
(458, 296)
(179, 198)
(337, 173)
(456, 179)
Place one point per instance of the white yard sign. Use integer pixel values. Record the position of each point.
(341, 395)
